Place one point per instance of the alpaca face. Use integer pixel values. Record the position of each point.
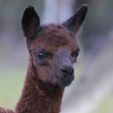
(54, 51)
(53, 48)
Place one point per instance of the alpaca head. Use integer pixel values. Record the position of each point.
(53, 48)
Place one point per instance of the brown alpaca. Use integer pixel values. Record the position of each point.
(53, 50)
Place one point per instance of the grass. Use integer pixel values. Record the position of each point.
(106, 106)
(11, 83)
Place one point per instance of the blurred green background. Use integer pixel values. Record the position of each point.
(92, 91)
(11, 82)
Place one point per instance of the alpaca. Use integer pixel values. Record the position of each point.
(53, 49)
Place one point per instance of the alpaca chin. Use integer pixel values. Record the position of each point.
(65, 80)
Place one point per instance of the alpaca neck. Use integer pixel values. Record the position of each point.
(39, 97)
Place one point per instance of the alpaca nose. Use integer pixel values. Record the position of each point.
(67, 70)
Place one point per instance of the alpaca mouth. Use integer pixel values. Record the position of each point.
(65, 80)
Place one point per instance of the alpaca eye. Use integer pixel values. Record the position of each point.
(42, 55)
(75, 53)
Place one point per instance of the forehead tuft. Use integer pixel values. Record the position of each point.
(55, 29)
(55, 36)
(56, 33)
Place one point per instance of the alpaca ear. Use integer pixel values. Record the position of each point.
(30, 22)
(74, 23)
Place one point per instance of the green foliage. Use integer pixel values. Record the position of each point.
(11, 83)
(106, 106)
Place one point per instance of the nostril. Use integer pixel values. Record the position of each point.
(68, 70)
(71, 70)
(64, 70)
